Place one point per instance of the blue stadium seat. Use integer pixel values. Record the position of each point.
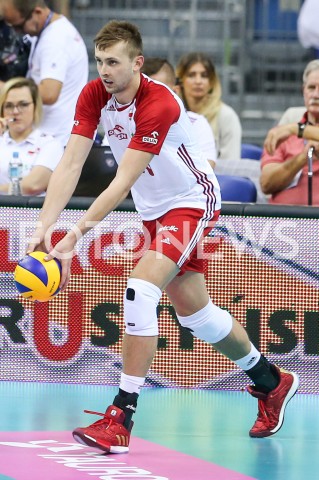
(251, 151)
(237, 189)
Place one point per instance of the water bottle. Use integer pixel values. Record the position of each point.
(15, 172)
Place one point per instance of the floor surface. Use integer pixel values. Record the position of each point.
(176, 433)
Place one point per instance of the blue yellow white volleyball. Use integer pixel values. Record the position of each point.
(36, 279)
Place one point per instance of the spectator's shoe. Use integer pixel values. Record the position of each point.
(107, 434)
(272, 405)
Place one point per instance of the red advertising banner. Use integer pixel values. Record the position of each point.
(261, 269)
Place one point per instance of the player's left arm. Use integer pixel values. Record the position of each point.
(132, 165)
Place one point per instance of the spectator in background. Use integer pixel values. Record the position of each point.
(201, 93)
(280, 133)
(14, 53)
(161, 70)
(284, 160)
(307, 25)
(39, 153)
(58, 61)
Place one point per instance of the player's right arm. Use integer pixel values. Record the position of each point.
(61, 187)
(66, 175)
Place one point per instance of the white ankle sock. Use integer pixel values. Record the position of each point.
(250, 360)
(131, 384)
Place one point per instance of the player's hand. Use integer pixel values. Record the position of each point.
(40, 240)
(64, 251)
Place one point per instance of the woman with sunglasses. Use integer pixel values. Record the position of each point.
(39, 153)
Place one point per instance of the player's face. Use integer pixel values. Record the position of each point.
(196, 82)
(311, 95)
(19, 107)
(119, 73)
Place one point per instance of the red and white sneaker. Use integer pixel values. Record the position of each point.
(272, 405)
(107, 434)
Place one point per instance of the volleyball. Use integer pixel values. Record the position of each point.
(36, 279)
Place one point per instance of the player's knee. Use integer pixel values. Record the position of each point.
(211, 323)
(140, 303)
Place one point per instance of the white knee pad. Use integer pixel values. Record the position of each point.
(211, 323)
(140, 303)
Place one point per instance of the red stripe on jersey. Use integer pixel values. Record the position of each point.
(202, 180)
(88, 108)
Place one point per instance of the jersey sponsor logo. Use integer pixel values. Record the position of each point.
(166, 240)
(168, 228)
(153, 139)
(111, 108)
(150, 140)
(117, 131)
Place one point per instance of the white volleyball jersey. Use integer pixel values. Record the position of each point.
(178, 175)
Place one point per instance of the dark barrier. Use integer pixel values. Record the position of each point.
(260, 264)
(244, 209)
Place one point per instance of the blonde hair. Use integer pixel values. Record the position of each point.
(211, 103)
(19, 82)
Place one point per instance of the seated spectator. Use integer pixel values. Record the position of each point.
(285, 157)
(39, 153)
(161, 70)
(201, 93)
(280, 133)
(58, 61)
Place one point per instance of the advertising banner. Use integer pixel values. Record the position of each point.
(263, 270)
